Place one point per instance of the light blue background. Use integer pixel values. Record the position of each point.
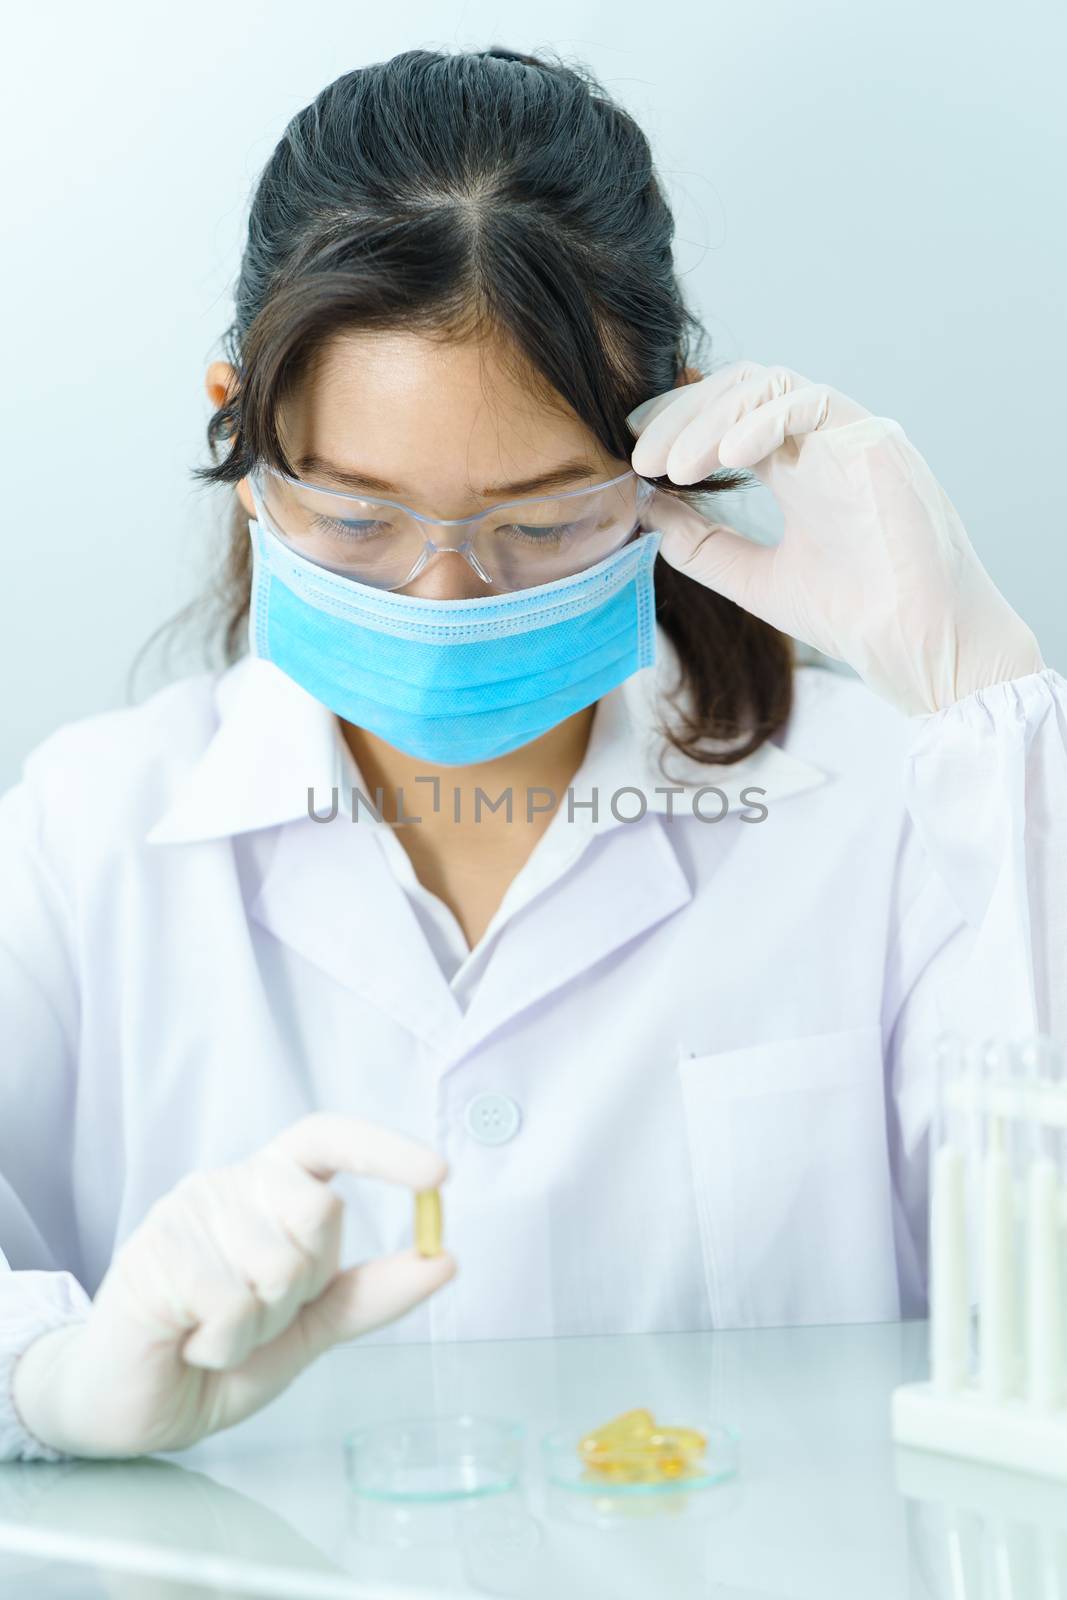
(871, 194)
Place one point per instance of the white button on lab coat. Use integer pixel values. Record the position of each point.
(682, 1081)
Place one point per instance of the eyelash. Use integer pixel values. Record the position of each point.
(346, 529)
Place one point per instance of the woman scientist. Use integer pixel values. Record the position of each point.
(517, 850)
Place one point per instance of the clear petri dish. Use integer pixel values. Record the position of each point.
(565, 1468)
(434, 1458)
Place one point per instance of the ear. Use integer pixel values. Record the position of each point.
(220, 383)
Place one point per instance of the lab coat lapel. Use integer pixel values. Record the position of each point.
(330, 895)
(327, 891)
(627, 880)
(273, 744)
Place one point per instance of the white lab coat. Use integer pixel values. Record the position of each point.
(706, 1045)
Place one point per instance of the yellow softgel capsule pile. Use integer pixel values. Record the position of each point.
(428, 1222)
(634, 1448)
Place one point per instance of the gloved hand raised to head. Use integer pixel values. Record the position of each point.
(229, 1287)
(875, 567)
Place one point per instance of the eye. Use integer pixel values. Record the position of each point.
(550, 533)
(352, 531)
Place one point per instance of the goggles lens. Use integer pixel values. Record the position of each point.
(516, 545)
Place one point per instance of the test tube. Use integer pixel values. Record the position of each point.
(1044, 1277)
(949, 1312)
(998, 1318)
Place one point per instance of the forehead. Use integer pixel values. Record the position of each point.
(471, 401)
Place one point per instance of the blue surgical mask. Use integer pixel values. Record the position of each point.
(453, 682)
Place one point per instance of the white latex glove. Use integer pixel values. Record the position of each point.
(229, 1287)
(875, 567)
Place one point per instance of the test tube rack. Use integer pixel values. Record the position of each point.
(997, 1391)
(976, 1530)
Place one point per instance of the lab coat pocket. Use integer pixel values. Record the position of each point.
(789, 1156)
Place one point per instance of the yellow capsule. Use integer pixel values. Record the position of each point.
(629, 1429)
(631, 1425)
(634, 1448)
(639, 1465)
(683, 1439)
(428, 1222)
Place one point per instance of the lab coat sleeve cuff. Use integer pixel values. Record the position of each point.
(985, 784)
(31, 1304)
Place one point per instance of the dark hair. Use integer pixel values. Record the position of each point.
(459, 193)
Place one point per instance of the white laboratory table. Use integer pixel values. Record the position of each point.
(823, 1506)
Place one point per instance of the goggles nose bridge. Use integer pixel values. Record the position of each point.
(431, 549)
(448, 549)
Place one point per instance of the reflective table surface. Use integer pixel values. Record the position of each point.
(823, 1504)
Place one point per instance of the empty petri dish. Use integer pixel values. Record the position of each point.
(434, 1458)
(565, 1467)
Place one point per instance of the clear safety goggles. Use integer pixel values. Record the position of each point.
(514, 545)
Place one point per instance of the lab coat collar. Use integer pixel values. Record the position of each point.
(274, 742)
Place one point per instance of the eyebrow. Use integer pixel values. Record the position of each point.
(350, 478)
